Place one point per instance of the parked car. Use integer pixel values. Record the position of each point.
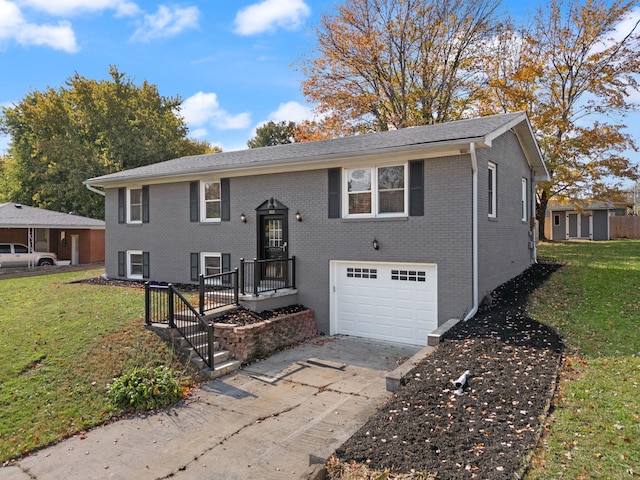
(18, 255)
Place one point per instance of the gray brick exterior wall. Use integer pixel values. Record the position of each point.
(503, 242)
(442, 236)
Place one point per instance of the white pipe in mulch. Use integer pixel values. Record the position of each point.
(461, 382)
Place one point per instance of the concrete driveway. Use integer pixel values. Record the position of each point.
(271, 420)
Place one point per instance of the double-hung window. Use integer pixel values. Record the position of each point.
(134, 205)
(492, 190)
(211, 201)
(524, 200)
(376, 191)
(211, 263)
(135, 264)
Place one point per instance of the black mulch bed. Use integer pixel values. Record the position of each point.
(490, 429)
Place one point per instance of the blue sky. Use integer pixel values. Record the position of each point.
(230, 61)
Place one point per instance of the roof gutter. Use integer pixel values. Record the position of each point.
(474, 227)
(94, 189)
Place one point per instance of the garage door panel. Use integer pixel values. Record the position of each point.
(392, 302)
(406, 333)
(405, 313)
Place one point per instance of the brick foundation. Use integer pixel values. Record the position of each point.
(251, 342)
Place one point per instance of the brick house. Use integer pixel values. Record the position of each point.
(393, 233)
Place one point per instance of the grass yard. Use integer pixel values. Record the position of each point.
(594, 302)
(61, 343)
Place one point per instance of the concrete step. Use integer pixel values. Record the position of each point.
(222, 360)
(198, 340)
(218, 355)
(220, 368)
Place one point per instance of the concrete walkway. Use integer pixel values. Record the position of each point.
(271, 420)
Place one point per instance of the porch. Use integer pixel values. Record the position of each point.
(256, 285)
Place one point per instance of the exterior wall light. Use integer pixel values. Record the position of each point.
(298, 216)
(376, 245)
(243, 218)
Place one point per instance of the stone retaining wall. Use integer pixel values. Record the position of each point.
(251, 342)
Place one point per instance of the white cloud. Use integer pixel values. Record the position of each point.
(291, 112)
(271, 14)
(167, 22)
(14, 27)
(203, 109)
(198, 133)
(60, 37)
(71, 7)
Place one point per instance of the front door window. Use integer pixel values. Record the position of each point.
(274, 246)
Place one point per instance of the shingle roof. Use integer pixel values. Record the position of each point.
(482, 129)
(14, 215)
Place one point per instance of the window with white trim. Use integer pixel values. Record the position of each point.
(211, 203)
(524, 200)
(134, 205)
(492, 190)
(210, 263)
(134, 264)
(376, 191)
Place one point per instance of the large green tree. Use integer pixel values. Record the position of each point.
(273, 133)
(62, 136)
(5, 180)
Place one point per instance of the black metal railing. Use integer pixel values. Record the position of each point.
(217, 291)
(165, 304)
(260, 276)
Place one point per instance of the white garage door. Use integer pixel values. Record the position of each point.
(386, 301)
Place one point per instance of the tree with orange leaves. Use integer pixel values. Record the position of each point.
(384, 64)
(573, 71)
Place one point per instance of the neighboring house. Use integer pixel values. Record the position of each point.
(588, 222)
(394, 233)
(74, 239)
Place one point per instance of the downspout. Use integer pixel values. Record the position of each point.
(94, 189)
(474, 233)
(533, 216)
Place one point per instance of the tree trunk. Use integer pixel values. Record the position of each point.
(541, 210)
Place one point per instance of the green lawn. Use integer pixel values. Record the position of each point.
(61, 343)
(594, 302)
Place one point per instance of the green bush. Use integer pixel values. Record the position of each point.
(141, 389)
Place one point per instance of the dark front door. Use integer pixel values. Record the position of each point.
(273, 245)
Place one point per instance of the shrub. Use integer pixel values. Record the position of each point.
(140, 389)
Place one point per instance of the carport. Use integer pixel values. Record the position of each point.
(73, 238)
